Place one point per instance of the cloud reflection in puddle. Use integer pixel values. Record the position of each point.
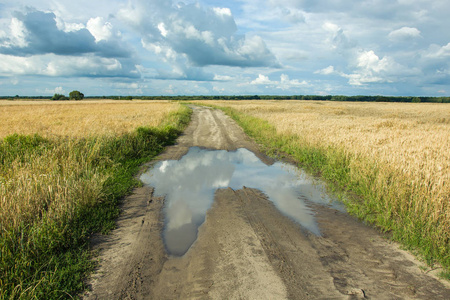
(189, 185)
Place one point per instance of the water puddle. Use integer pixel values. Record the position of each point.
(189, 185)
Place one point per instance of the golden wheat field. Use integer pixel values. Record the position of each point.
(81, 118)
(52, 180)
(409, 143)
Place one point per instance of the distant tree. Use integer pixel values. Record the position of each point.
(128, 98)
(76, 95)
(59, 97)
(415, 100)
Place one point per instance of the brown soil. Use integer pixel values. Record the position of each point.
(246, 249)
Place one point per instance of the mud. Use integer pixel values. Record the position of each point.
(247, 249)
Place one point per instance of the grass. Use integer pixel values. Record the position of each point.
(392, 158)
(57, 190)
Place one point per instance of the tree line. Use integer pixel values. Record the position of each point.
(413, 99)
(76, 95)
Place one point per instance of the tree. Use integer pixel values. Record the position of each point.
(76, 95)
(59, 97)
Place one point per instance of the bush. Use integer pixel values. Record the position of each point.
(59, 97)
(76, 95)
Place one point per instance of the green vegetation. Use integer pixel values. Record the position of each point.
(305, 97)
(392, 207)
(55, 193)
(57, 97)
(76, 95)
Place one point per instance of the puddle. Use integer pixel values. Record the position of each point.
(189, 185)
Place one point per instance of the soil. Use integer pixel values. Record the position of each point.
(246, 249)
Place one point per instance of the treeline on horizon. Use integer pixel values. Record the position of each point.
(361, 98)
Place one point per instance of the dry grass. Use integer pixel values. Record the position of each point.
(408, 145)
(81, 118)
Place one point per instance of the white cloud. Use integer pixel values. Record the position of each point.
(16, 36)
(285, 82)
(404, 34)
(57, 90)
(262, 79)
(223, 12)
(436, 51)
(162, 29)
(337, 38)
(326, 71)
(222, 78)
(54, 65)
(71, 27)
(99, 29)
(369, 61)
(371, 69)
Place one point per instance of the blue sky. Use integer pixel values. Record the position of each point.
(154, 47)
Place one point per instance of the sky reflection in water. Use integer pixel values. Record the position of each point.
(189, 185)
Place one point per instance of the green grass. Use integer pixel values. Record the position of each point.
(358, 185)
(75, 186)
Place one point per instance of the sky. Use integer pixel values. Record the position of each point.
(238, 47)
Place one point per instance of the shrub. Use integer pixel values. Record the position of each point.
(59, 97)
(76, 95)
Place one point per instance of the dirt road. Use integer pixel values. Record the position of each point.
(246, 249)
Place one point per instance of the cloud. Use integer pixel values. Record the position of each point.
(404, 34)
(337, 38)
(438, 52)
(37, 33)
(222, 78)
(326, 71)
(183, 72)
(65, 66)
(371, 69)
(293, 15)
(285, 82)
(16, 35)
(99, 29)
(203, 36)
(57, 90)
(262, 79)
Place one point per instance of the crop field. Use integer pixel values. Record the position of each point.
(63, 168)
(80, 118)
(394, 156)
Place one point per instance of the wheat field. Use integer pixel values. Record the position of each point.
(80, 118)
(53, 172)
(413, 138)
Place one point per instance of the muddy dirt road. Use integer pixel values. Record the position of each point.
(247, 249)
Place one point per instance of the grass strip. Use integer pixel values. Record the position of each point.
(375, 193)
(55, 193)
